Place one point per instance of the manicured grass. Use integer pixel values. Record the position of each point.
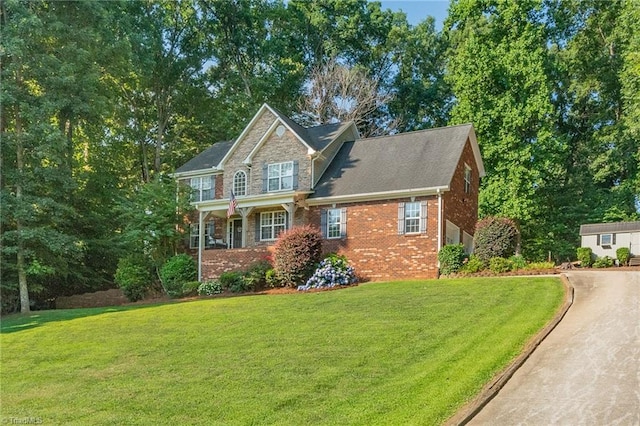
(382, 353)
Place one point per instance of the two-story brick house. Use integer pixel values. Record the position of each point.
(387, 203)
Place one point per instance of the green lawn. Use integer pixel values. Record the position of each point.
(381, 353)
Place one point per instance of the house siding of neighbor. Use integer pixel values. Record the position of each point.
(605, 238)
(387, 203)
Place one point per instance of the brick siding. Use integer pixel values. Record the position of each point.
(215, 262)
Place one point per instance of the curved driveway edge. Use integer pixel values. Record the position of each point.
(468, 411)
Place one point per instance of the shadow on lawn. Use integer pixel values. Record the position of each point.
(20, 322)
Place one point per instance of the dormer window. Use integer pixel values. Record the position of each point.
(240, 183)
(467, 179)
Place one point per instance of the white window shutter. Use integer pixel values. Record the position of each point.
(400, 218)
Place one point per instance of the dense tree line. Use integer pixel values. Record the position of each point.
(102, 99)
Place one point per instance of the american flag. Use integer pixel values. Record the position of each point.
(232, 205)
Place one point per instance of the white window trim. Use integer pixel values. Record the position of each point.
(339, 223)
(280, 176)
(467, 179)
(236, 190)
(194, 234)
(408, 218)
(602, 243)
(272, 226)
(197, 185)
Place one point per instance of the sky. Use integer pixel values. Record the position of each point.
(418, 10)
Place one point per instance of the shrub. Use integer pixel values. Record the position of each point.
(296, 253)
(603, 262)
(541, 265)
(177, 271)
(190, 288)
(233, 281)
(623, 254)
(451, 258)
(272, 279)
(256, 276)
(472, 265)
(518, 262)
(133, 276)
(499, 265)
(495, 237)
(585, 256)
(209, 288)
(332, 271)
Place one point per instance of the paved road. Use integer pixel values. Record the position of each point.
(587, 371)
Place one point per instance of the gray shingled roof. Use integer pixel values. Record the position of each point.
(317, 137)
(421, 159)
(207, 159)
(613, 228)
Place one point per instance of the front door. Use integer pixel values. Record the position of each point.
(236, 233)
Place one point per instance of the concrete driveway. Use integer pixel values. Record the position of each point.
(587, 371)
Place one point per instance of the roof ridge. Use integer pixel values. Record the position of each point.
(417, 131)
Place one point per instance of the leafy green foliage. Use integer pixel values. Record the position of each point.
(603, 262)
(134, 277)
(585, 256)
(296, 253)
(472, 265)
(623, 254)
(540, 265)
(451, 258)
(233, 281)
(209, 288)
(176, 272)
(495, 237)
(518, 262)
(190, 288)
(498, 265)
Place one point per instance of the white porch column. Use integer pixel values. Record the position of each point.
(244, 213)
(439, 223)
(200, 242)
(291, 209)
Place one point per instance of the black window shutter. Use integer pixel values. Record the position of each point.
(598, 240)
(265, 177)
(257, 216)
(613, 239)
(295, 174)
(323, 223)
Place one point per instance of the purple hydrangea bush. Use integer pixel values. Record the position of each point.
(331, 272)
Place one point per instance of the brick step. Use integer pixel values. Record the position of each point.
(634, 261)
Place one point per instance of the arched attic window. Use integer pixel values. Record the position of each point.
(240, 183)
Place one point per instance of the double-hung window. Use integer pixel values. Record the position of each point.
(202, 188)
(607, 239)
(467, 179)
(280, 176)
(272, 224)
(194, 235)
(334, 223)
(412, 217)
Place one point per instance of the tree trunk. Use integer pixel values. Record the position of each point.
(21, 264)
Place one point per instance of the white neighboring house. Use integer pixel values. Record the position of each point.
(605, 238)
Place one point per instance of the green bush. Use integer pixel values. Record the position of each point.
(585, 256)
(272, 278)
(190, 288)
(256, 276)
(499, 265)
(603, 262)
(541, 265)
(177, 271)
(495, 237)
(472, 265)
(233, 281)
(296, 254)
(623, 254)
(209, 288)
(133, 276)
(451, 258)
(518, 262)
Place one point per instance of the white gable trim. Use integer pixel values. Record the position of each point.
(273, 126)
(476, 151)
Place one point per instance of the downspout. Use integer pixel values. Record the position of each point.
(439, 225)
